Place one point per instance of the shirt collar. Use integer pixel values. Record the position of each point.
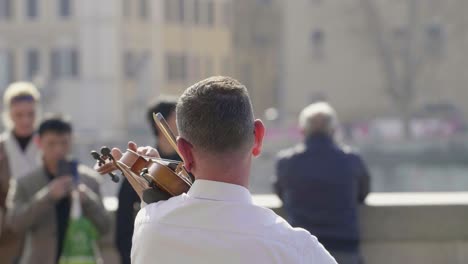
(219, 191)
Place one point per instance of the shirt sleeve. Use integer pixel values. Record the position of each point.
(314, 252)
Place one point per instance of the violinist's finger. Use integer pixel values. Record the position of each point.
(132, 146)
(116, 153)
(152, 152)
(141, 151)
(148, 151)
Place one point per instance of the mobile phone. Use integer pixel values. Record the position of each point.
(68, 167)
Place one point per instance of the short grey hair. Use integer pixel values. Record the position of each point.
(216, 115)
(318, 118)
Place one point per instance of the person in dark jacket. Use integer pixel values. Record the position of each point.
(321, 184)
(129, 202)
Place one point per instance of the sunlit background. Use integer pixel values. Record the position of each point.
(395, 70)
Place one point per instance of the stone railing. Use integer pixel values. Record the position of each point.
(416, 228)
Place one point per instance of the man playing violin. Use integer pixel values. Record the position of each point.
(129, 202)
(216, 221)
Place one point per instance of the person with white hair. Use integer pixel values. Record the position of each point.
(321, 184)
(318, 118)
(19, 154)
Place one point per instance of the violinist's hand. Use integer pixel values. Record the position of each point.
(117, 154)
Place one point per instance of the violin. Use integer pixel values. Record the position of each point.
(143, 172)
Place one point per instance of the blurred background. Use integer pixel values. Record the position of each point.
(394, 70)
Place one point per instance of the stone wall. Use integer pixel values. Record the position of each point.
(416, 228)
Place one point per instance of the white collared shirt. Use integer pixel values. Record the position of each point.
(218, 223)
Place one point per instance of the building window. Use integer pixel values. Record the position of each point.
(181, 16)
(317, 39)
(227, 14)
(31, 9)
(196, 12)
(167, 10)
(210, 13)
(170, 10)
(126, 8)
(144, 9)
(74, 63)
(7, 68)
(127, 65)
(32, 64)
(435, 39)
(129, 61)
(64, 63)
(176, 66)
(174, 11)
(5, 9)
(134, 63)
(65, 8)
(400, 35)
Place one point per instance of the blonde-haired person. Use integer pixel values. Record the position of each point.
(18, 150)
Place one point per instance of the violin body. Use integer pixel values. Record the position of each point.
(170, 176)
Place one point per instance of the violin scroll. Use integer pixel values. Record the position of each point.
(101, 162)
(144, 172)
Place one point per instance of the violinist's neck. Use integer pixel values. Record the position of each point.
(234, 170)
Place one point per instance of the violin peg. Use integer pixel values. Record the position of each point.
(105, 151)
(114, 177)
(97, 157)
(95, 154)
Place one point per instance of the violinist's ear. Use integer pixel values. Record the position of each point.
(259, 133)
(185, 149)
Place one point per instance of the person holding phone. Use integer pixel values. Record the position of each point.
(39, 203)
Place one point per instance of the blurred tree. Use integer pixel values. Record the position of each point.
(400, 68)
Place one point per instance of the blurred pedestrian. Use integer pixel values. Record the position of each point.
(321, 184)
(39, 203)
(19, 153)
(129, 202)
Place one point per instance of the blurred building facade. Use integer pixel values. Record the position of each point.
(102, 61)
(339, 51)
(257, 32)
(196, 40)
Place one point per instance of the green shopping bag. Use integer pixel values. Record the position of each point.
(80, 239)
